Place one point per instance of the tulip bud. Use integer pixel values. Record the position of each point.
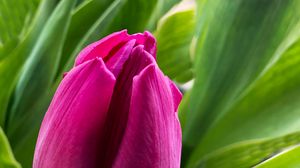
(114, 108)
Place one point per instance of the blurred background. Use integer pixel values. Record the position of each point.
(237, 62)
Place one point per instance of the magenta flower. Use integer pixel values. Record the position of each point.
(114, 108)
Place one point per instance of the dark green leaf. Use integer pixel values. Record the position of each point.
(268, 108)
(82, 20)
(96, 31)
(134, 16)
(36, 80)
(233, 48)
(11, 65)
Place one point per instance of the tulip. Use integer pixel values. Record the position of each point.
(114, 108)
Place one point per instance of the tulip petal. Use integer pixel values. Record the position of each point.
(153, 135)
(146, 39)
(112, 43)
(73, 125)
(102, 47)
(115, 62)
(119, 107)
(177, 96)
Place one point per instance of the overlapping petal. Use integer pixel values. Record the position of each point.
(153, 134)
(112, 43)
(120, 103)
(73, 125)
(115, 108)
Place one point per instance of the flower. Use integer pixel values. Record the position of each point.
(114, 108)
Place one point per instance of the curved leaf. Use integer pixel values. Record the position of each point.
(96, 31)
(36, 80)
(233, 48)
(7, 159)
(268, 108)
(15, 18)
(288, 158)
(82, 20)
(134, 16)
(174, 35)
(11, 65)
(247, 153)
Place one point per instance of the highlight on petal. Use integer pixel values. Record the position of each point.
(152, 137)
(73, 125)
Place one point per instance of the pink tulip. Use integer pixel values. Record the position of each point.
(114, 108)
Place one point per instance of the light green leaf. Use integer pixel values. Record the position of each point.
(161, 8)
(36, 80)
(233, 48)
(247, 153)
(174, 39)
(268, 108)
(11, 65)
(7, 159)
(288, 159)
(15, 18)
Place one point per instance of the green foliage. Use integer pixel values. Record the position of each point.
(39, 40)
(11, 65)
(83, 17)
(7, 159)
(174, 41)
(15, 19)
(247, 153)
(246, 77)
(242, 55)
(35, 79)
(268, 108)
(288, 158)
(233, 48)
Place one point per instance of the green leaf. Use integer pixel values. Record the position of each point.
(161, 8)
(7, 159)
(11, 65)
(97, 30)
(247, 153)
(174, 39)
(183, 108)
(288, 158)
(134, 16)
(15, 18)
(268, 108)
(83, 17)
(36, 81)
(233, 48)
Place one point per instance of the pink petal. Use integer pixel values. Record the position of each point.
(102, 47)
(177, 96)
(112, 43)
(153, 135)
(119, 107)
(117, 60)
(148, 40)
(73, 125)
